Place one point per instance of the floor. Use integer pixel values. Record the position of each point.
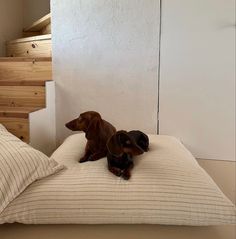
(224, 174)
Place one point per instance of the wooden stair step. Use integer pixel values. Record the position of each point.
(36, 46)
(22, 82)
(24, 69)
(17, 126)
(39, 24)
(25, 59)
(22, 96)
(22, 91)
(31, 39)
(17, 112)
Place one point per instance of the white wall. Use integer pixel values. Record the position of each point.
(43, 124)
(11, 22)
(105, 57)
(34, 10)
(197, 92)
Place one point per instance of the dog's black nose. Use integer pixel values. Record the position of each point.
(69, 126)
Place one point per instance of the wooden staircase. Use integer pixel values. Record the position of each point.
(23, 77)
(22, 91)
(36, 41)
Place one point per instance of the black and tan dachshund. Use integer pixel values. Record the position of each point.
(122, 146)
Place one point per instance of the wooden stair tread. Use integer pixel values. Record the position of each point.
(22, 90)
(17, 112)
(27, 110)
(25, 59)
(23, 82)
(30, 47)
(30, 39)
(39, 24)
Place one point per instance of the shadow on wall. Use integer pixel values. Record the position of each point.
(34, 10)
(11, 22)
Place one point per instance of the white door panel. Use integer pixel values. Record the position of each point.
(197, 83)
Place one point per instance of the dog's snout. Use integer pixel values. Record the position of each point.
(70, 125)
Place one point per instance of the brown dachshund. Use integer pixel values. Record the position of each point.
(97, 132)
(122, 146)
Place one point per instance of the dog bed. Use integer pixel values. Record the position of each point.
(167, 187)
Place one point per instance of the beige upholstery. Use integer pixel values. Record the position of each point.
(20, 165)
(167, 187)
(223, 172)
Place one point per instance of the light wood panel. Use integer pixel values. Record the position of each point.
(17, 112)
(22, 83)
(25, 59)
(46, 29)
(23, 75)
(22, 96)
(30, 39)
(37, 48)
(17, 126)
(22, 70)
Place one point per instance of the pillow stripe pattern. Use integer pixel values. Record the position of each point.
(20, 165)
(167, 187)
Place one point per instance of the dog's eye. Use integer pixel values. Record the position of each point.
(127, 142)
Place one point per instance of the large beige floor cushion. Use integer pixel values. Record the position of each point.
(167, 187)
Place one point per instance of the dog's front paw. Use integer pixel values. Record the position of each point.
(115, 171)
(83, 159)
(126, 175)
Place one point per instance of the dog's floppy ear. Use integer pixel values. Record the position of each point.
(114, 145)
(94, 128)
(140, 138)
(144, 142)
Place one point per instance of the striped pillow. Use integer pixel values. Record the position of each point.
(20, 165)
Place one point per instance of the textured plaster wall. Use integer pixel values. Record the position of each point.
(105, 57)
